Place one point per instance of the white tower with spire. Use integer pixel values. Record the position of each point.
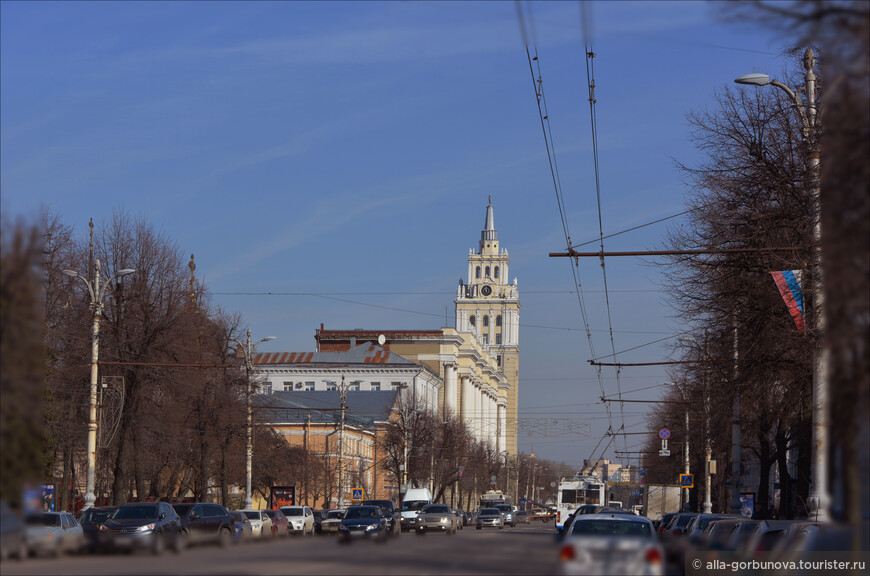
(487, 305)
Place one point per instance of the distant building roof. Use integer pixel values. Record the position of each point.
(362, 408)
(366, 353)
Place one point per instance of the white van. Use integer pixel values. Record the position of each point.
(412, 501)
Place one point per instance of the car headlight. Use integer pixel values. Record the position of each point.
(372, 527)
(342, 527)
(146, 528)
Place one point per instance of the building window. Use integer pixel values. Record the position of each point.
(472, 320)
(309, 386)
(477, 272)
(331, 386)
(395, 385)
(486, 338)
(266, 388)
(288, 386)
(487, 271)
(496, 272)
(498, 360)
(498, 338)
(486, 320)
(375, 386)
(354, 386)
(498, 320)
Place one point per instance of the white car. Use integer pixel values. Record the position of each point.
(611, 544)
(261, 524)
(301, 519)
(53, 533)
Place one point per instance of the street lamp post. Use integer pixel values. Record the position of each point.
(685, 443)
(96, 292)
(707, 506)
(820, 499)
(249, 351)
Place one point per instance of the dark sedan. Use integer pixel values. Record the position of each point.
(363, 522)
(91, 520)
(203, 522)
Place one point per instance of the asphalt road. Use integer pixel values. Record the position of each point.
(526, 549)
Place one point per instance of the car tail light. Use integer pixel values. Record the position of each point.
(653, 556)
(567, 553)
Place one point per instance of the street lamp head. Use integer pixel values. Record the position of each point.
(754, 79)
(125, 272)
(267, 338)
(72, 273)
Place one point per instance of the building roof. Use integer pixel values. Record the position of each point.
(366, 353)
(362, 408)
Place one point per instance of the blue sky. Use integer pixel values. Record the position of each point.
(347, 149)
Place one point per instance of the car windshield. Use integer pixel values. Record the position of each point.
(436, 510)
(238, 516)
(182, 509)
(252, 514)
(611, 528)
(94, 516)
(361, 513)
(682, 521)
(382, 504)
(704, 520)
(490, 512)
(292, 511)
(505, 508)
(270, 513)
(335, 514)
(141, 512)
(413, 505)
(43, 520)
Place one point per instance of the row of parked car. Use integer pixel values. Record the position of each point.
(611, 541)
(152, 525)
(747, 538)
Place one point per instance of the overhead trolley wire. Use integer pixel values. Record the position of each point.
(546, 129)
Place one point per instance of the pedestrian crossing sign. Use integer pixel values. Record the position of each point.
(356, 494)
(687, 481)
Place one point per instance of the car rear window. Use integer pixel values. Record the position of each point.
(292, 511)
(610, 528)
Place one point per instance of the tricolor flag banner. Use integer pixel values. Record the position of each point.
(789, 284)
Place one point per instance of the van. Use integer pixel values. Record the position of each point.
(615, 504)
(412, 501)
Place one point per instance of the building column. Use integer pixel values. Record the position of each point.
(449, 390)
(478, 411)
(466, 404)
(502, 425)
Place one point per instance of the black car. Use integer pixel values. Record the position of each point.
(206, 523)
(149, 525)
(363, 522)
(91, 520)
(319, 515)
(391, 512)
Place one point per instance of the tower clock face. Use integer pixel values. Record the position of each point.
(486, 290)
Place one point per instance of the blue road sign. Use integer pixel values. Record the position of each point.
(664, 433)
(356, 494)
(687, 481)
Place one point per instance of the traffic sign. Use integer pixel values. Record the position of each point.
(664, 452)
(687, 481)
(664, 433)
(356, 494)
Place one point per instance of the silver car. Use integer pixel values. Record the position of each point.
(611, 544)
(489, 517)
(436, 518)
(261, 524)
(53, 533)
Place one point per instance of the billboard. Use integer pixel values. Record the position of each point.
(282, 496)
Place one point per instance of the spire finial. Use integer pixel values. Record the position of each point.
(490, 199)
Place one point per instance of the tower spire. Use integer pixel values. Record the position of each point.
(488, 233)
